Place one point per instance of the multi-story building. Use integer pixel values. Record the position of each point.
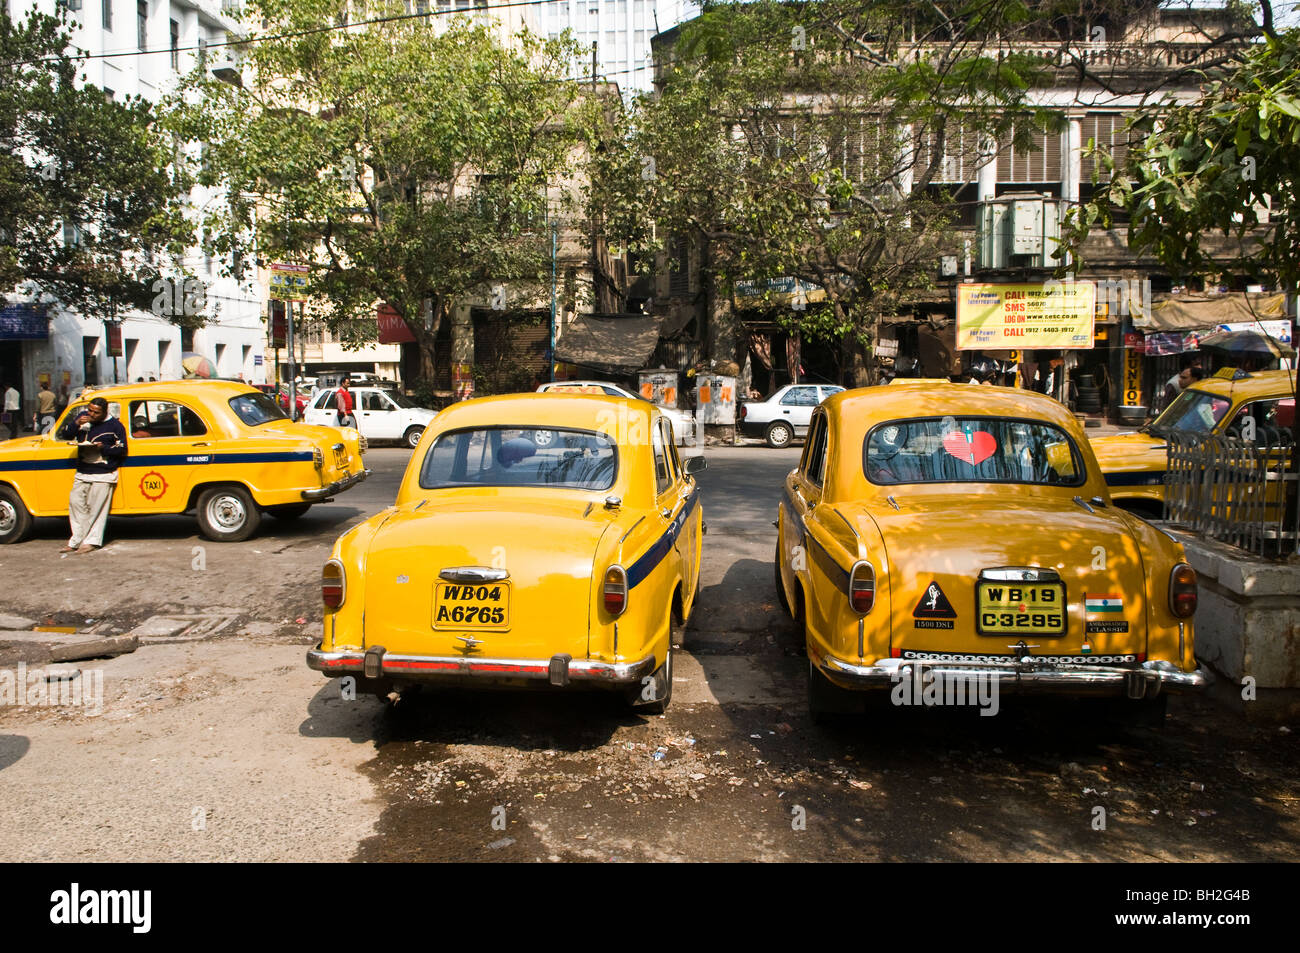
(1008, 204)
(141, 47)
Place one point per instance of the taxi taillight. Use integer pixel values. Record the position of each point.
(1182, 591)
(615, 589)
(862, 587)
(332, 584)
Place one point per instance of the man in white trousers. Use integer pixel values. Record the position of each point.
(101, 448)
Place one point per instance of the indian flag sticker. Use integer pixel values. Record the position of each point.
(1103, 603)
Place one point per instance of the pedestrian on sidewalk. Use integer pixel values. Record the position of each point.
(101, 448)
(46, 415)
(13, 410)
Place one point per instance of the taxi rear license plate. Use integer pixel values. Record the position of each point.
(471, 605)
(1022, 608)
(340, 457)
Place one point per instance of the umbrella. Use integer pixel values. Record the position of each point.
(196, 365)
(1250, 343)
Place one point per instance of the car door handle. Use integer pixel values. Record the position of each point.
(204, 444)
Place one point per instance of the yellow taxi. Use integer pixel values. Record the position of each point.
(221, 449)
(1259, 406)
(537, 540)
(957, 536)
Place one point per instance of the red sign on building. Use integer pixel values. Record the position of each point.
(392, 329)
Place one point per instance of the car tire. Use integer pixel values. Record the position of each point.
(412, 436)
(780, 435)
(543, 438)
(662, 679)
(676, 631)
(780, 588)
(15, 521)
(227, 514)
(827, 700)
(288, 511)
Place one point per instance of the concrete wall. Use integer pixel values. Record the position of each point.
(1247, 623)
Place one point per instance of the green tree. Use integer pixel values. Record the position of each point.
(89, 205)
(1214, 165)
(405, 160)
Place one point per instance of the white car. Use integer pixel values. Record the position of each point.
(683, 421)
(381, 414)
(785, 415)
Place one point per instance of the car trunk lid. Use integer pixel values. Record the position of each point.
(1064, 577)
(480, 578)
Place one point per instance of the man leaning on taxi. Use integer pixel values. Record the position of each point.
(101, 448)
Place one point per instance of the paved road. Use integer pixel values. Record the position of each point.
(216, 742)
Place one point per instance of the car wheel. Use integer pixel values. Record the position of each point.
(780, 589)
(227, 514)
(413, 435)
(779, 435)
(659, 685)
(15, 521)
(289, 511)
(676, 631)
(543, 438)
(826, 699)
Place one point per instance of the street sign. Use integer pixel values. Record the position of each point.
(289, 282)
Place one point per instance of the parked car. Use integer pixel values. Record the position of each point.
(1260, 405)
(968, 531)
(574, 564)
(785, 415)
(381, 414)
(221, 449)
(683, 421)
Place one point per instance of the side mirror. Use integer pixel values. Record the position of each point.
(693, 465)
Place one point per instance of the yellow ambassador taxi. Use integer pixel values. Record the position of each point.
(966, 532)
(537, 539)
(1259, 406)
(222, 449)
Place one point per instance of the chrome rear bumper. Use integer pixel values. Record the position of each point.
(1024, 675)
(338, 486)
(559, 670)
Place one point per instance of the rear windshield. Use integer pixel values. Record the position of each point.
(500, 456)
(256, 408)
(971, 450)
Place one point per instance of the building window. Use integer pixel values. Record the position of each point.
(174, 29)
(106, 13)
(1039, 163)
(202, 53)
(141, 24)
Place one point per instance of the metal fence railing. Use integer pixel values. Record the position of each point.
(1232, 490)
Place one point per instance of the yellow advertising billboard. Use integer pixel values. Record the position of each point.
(1052, 314)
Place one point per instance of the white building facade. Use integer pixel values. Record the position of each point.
(621, 30)
(142, 47)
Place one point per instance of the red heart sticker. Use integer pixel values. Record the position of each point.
(975, 451)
